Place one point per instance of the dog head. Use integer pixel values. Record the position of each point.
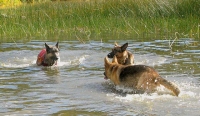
(118, 50)
(52, 54)
(109, 67)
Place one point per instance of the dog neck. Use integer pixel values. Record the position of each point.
(122, 59)
(113, 75)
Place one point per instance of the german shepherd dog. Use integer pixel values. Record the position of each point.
(124, 57)
(49, 56)
(141, 78)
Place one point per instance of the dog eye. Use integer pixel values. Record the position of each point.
(119, 50)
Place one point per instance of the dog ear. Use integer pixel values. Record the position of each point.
(57, 45)
(123, 48)
(116, 44)
(115, 59)
(106, 61)
(47, 48)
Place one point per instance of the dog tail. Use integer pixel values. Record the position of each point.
(169, 85)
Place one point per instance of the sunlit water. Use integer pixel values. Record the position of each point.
(77, 86)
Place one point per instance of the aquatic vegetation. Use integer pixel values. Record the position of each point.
(101, 20)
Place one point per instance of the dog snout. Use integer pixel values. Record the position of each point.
(110, 55)
(54, 58)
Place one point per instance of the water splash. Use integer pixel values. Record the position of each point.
(188, 91)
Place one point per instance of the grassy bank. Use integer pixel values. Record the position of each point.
(109, 19)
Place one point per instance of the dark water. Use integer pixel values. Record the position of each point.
(77, 85)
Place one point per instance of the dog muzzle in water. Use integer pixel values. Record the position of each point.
(53, 61)
(56, 60)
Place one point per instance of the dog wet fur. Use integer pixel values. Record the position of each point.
(139, 77)
(48, 56)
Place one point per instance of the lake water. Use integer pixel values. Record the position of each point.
(77, 86)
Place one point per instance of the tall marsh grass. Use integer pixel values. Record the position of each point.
(101, 20)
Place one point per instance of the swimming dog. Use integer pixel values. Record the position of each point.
(49, 56)
(124, 57)
(141, 78)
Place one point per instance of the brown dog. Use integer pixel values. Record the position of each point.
(140, 77)
(124, 57)
(48, 56)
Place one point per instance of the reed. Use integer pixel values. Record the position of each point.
(101, 20)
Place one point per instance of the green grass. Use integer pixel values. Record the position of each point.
(101, 20)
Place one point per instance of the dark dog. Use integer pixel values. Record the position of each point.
(48, 56)
(139, 77)
(124, 57)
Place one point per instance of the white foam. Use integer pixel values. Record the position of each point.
(25, 62)
(82, 59)
(149, 59)
(9, 65)
(187, 91)
(64, 63)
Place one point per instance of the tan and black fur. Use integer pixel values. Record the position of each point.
(139, 77)
(124, 57)
(48, 56)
